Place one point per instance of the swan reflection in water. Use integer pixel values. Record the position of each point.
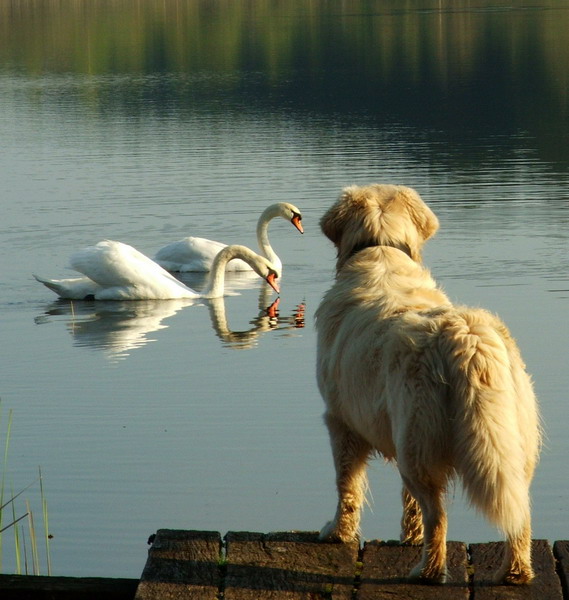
(114, 327)
(268, 319)
(117, 328)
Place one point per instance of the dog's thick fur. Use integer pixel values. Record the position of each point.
(439, 389)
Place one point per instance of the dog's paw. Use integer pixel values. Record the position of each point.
(328, 533)
(517, 577)
(421, 574)
(331, 533)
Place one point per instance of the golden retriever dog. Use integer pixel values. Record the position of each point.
(439, 389)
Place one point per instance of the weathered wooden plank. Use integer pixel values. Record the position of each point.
(279, 566)
(561, 553)
(486, 559)
(181, 564)
(38, 587)
(386, 567)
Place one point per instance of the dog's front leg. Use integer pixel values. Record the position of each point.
(350, 453)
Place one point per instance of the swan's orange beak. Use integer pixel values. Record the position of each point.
(271, 280)
(297, 223)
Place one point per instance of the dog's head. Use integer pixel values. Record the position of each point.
(378, 215)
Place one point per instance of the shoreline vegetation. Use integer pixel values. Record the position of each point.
(18, 524)
(383, 57)
(122, 36)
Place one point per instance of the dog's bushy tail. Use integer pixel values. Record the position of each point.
(488, 443)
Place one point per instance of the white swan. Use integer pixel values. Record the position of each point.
(117, 271)
(197, 254)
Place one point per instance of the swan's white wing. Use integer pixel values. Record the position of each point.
(194, 254)
(77, 288)
(124, 273)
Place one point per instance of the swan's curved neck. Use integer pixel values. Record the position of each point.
(216, 279)
(263, 234)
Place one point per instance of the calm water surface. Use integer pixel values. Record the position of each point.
(176, 122)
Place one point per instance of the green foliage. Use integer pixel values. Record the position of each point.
(15, 526)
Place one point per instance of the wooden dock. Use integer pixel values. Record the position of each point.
(201, 565)
(294, 566)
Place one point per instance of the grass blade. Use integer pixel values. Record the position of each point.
(3, 481)
(33, 540)
(16, 540)
(18, 494)
(45, 524)
(13, 522)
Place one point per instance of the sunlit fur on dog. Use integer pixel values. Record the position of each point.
(438, 388)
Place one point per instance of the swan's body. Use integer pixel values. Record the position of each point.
(197, 254)
(117, 271)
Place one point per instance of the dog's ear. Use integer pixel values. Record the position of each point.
(350, 215)
(334, 219)
(421, 215)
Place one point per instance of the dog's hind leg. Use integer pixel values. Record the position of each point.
(516, 566)
(412, 519)
(430, 497)
(350, 453)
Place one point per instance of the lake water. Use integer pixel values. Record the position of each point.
(147, 122)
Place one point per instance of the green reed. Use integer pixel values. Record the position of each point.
(20, 532)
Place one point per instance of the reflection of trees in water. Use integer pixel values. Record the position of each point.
(117, 328)
(447, 62)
